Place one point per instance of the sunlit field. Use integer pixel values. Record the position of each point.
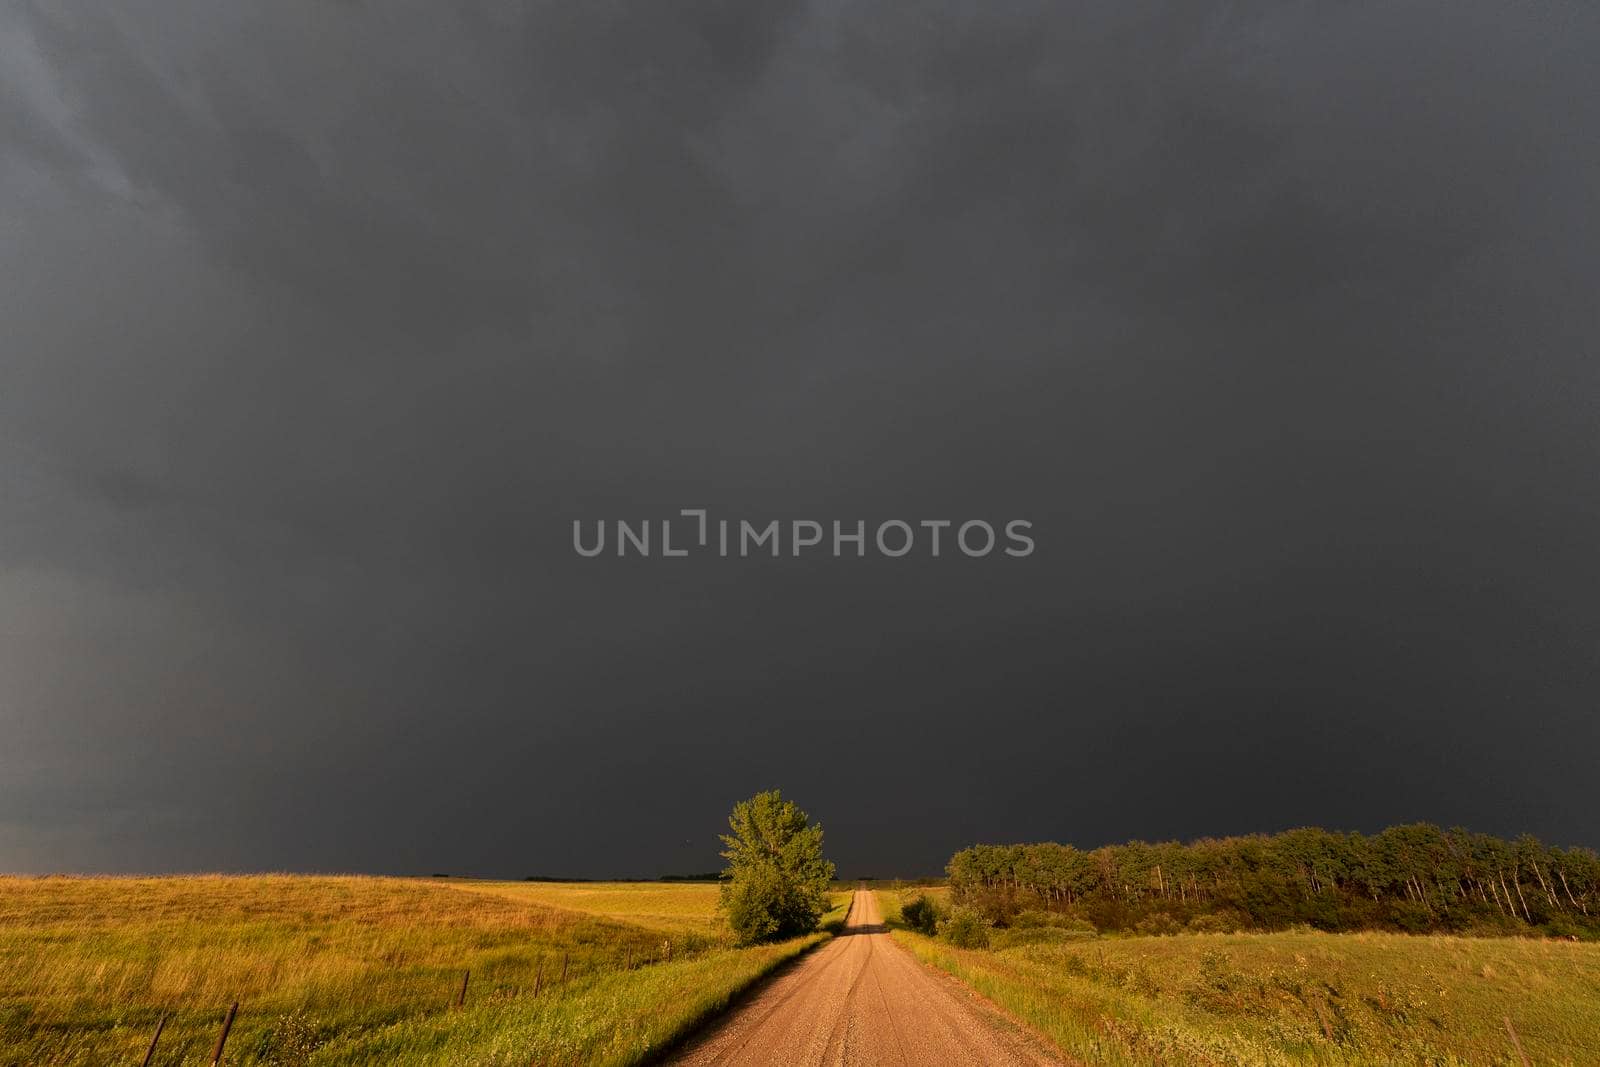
(1290, 998)
(689, 907)
(350, 970)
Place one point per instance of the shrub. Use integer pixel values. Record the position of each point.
(1217, 922)
(1053, 919)
(1159, 925)
(1411, 917)
(965, 928)
(1563, 929)
(921, 913)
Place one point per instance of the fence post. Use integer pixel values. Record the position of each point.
(1322, 1017)
(538, 976)
(151, 1051)
(1517, 1042)
(222, 1038)
(564, 957)
(461, 997)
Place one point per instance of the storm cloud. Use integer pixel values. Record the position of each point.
(320, 323)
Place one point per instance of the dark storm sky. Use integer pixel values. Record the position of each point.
(321, 322)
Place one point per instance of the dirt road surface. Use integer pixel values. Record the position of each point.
(862, 999)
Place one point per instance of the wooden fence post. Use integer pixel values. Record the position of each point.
(538, 976)
(1322, 1017)
(1517, 1043)
(461, 997)
(151, 1051)
(222, 1038)
(564, 957)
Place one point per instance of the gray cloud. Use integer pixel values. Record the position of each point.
(322, 322)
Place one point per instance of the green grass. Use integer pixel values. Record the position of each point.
(343, 971)
(1292, 998)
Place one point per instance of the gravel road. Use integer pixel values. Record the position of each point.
(862, 999)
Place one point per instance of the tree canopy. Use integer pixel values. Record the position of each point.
(777, 878)
(1417, 877)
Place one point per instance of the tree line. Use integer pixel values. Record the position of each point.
(1416, 878)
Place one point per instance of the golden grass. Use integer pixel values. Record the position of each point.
(350, 970)
(1294, 998)
(687, 906)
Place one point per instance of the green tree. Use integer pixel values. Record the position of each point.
(777, 879)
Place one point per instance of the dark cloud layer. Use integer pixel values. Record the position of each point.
(321, 322)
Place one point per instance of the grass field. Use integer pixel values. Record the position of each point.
(1291, 998)
(684, 907)
(347, 970)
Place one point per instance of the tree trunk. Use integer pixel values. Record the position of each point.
(1575, 903)
(1546, 887)
(1516, 880)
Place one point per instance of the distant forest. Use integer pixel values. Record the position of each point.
(1416, 878)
